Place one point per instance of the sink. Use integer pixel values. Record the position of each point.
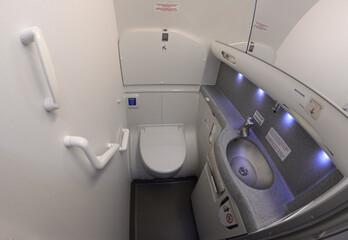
(249, 164)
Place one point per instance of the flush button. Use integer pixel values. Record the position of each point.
(133, 101)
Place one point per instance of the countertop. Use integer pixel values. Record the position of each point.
(258, 208)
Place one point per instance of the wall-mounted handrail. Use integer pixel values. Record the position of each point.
(34, 34)
(124, 142)
(97, 161)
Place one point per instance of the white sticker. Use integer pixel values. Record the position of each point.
(166, 7)
(226, 215)
(278, 144)
(314, 108)
(258, 118)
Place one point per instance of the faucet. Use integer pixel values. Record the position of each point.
(244, 129)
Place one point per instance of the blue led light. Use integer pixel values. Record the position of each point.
(240, 76)
(260, 92)
(323, 158)
(288, 119)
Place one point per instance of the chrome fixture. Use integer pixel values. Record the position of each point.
(244, 129)
(276, 107)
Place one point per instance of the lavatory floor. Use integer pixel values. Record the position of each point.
(161, 209)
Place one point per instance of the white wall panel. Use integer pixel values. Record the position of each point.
(273, 21)
(148, 112)
(146, 59)
(180, 108)
(48, 191)
(227, 21)
(316, 50)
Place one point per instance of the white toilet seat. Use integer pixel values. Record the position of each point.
(163, 149)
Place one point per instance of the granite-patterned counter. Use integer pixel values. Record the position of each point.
(258, 208)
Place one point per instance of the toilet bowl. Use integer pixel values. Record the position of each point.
(163, 149)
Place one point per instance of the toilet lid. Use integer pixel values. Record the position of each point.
(163, 148)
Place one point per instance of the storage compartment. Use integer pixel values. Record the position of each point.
(217, 215)
(208, 130)
(149, 57)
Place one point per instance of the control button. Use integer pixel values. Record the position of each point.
(132, 101)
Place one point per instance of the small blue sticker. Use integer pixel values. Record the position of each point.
(132, 101)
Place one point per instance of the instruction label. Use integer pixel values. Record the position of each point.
(261, 26)
(226, 214)
(278, 144)
(258, 118)
(166, 7)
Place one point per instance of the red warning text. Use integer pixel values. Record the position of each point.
(261, 26)
(166, 7)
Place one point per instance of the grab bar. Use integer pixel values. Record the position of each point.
(97, 161)
(34, 34)
(124, 142)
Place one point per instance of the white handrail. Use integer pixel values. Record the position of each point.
(97, 161)
(34, 34)
(124, 143)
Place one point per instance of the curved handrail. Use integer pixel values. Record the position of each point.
(34, 34)
(97, 161)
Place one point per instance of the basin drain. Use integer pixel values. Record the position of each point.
(243, 171)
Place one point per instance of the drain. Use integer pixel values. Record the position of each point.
(243, 171)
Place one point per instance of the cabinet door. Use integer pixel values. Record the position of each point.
(273, 21)
(206, 206)
(307, 39)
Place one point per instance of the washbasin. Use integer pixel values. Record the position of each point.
(249, 164)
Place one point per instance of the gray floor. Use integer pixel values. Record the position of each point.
(162, 210)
